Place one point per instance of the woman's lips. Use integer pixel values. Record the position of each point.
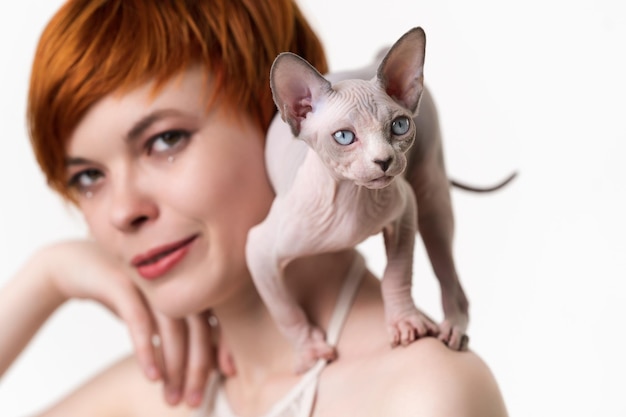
(159, 261)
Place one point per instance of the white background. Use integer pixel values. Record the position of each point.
(533, 86)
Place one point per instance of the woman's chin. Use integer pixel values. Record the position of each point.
(179, 297)
(178, 307)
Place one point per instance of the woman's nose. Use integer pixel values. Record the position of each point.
(131, 207)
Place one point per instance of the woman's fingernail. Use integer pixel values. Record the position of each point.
(194, 399)
(152, 372)
(173, 396)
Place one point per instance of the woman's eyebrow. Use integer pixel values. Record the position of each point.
(135, 132)
(145, 122)
(76, 161)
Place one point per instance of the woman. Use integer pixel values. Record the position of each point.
(150, 117)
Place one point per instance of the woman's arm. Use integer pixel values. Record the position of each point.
(58, 273)
(26, 302)
(79, 269)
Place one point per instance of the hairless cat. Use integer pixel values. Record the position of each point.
(364, 162)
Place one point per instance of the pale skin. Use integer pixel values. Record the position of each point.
(134, 200)
(354, 136)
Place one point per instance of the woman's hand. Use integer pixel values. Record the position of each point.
(188, 351)
(180, 352)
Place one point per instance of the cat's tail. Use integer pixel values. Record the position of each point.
(488, 189)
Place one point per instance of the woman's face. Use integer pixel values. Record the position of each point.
(172, 189)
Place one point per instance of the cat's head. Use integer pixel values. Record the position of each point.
(360, 129)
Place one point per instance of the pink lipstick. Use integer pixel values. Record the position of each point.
(158, 261)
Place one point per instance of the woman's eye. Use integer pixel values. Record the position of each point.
(344, 137)
(400, 125)
(85, 179)
(165, 141)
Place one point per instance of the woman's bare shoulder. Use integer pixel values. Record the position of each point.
(124, 383)
(425, 378)
(430, 379)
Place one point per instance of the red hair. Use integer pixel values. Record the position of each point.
(92, 48)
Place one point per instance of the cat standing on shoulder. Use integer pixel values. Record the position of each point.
(151, 118)
(347, 187)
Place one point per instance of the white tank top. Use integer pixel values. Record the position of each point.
(300, 399)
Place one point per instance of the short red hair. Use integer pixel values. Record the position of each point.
(92, 48)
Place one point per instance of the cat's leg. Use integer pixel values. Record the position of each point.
(437, 227)
(267, 253)
(405, 322)
(427, 175)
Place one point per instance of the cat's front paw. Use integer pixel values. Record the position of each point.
(313, 348)
(454, 326)
(408, 327)
(452, 333)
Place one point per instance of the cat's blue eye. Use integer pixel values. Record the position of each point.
(344, 137)
(400, 125)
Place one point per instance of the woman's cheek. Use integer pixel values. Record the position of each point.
(99, 225)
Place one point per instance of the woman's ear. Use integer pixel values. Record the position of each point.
(401, 73)
(296, 88)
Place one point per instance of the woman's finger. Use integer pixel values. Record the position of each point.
(130, 306)
(225, 361)
(200, 360)
(173, 347)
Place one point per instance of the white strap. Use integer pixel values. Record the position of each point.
(344, 300)
(306, 388)
(342, 308)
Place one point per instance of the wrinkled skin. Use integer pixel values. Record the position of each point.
(342, 182)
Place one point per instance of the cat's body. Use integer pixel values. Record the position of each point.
(346, 179)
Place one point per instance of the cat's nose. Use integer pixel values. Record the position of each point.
(383, 164)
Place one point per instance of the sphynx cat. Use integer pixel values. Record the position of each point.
(363, 163)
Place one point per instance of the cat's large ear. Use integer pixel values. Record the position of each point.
(401, 73)
(296, 88)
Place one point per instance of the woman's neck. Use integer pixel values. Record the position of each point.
(259, 351)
